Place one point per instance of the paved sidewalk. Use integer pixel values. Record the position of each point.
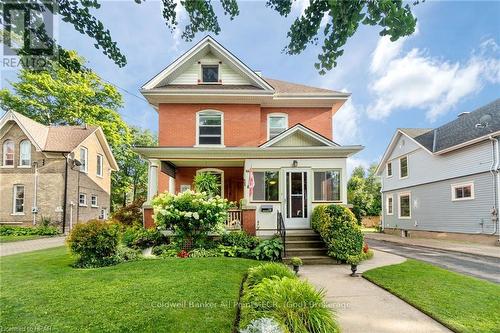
(30, 245)
(441, 244)
(361, 306)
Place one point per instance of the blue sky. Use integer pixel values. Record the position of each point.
(451, 65)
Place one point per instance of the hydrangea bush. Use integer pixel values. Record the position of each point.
(191, 215)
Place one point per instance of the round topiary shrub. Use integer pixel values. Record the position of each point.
(339, 229)
(94, 244)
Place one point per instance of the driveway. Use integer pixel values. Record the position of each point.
(487, 268)
(362, 306)
(30, 245)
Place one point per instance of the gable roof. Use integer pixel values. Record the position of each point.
(308, 135)
(467, 129)
(57, 139)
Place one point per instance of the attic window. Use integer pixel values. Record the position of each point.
(210, 73)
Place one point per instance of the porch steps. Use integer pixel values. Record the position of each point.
(307, 245)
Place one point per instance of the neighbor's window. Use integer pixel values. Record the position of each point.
(327, 185)
(93, 200)
(210, 73)
(82, 199)
(83, 159)
(266, 186)
(389, 169)
(403, 167)
(18, 204)
(390, 205)
(404, 205)
(276, 124)
(462, 191)
(210, 128)
(25, 153)
(99, 165)
(8, 153)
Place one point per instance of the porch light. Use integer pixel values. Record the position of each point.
(272, 182)
(295, 163)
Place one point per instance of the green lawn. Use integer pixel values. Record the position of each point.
(12, 238)
(40, 289)
(462, 303)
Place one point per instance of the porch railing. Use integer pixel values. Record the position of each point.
(233, 220)
(280, 227)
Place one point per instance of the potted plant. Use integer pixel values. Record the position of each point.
(296, 263)
(354, 262)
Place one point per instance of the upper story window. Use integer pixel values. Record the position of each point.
(210, 129)
(99, 165)
(327, 185)
(8, 153)
(464, 191)
(84, 159)
(266, 186)
(389, 169)
(25, 153)
(210, 73)
(18, 202)
(276, 123)
(403, 167)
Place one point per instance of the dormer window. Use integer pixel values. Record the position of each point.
(210, 73)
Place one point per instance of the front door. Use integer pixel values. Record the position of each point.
(296, 204)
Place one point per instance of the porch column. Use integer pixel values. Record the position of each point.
(153, 179)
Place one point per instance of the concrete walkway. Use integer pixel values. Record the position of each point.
(361, 306)
(441, 244)
(30, 245)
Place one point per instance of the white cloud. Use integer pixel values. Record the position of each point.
(346, 123)
(417, 80)
(353, 162)
(182, 18)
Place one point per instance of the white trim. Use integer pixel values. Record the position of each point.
(313, 188)
(4, 154)
(11, 115)
(200, 73)
(21, 154)
(14, 195)
(276, 114)
(407, 166)
(403, 194)
(387, 197)
(252, 200)
(302, 129)
(209, 112)
(85, 165)
(215, 170)
(464, 184)
(387, 175)
(100, 162)
(92, 196)
(85, 199)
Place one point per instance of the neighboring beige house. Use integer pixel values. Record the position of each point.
(58, 172)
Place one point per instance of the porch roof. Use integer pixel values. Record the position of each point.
(241, 153)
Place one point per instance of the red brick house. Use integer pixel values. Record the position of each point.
(217, 115)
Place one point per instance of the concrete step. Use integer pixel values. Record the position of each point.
(313, 260)
(302, 237)
(306, 252)
(297, 244)
(300, 232)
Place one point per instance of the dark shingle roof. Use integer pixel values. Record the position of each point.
(467, 127)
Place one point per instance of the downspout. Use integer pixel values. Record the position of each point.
(495, 166)
(65, 199)
(35, 208)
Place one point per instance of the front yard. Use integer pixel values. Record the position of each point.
(40, 289)
(462, 303)
(16, 238)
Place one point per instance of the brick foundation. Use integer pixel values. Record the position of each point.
(248, 217)
(148, 222)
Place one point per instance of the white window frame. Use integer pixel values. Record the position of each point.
(100, 165)
(407, 167)
(85, 162)
(387, 170)
(209, 112)
(279, 186)
(103, 213)
(4, 154)
(92, 196)
(389, 196)
(84, 204)
(276, 114)
(24, 142)
(464, 184)
(403, 194)
(14, 195)
(314, 189)
(214, 170)
(219, 79)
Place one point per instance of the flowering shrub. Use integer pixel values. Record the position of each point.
(183, 254)
(191, 215)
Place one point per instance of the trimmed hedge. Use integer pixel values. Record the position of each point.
(339, 229)
(6, 230)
